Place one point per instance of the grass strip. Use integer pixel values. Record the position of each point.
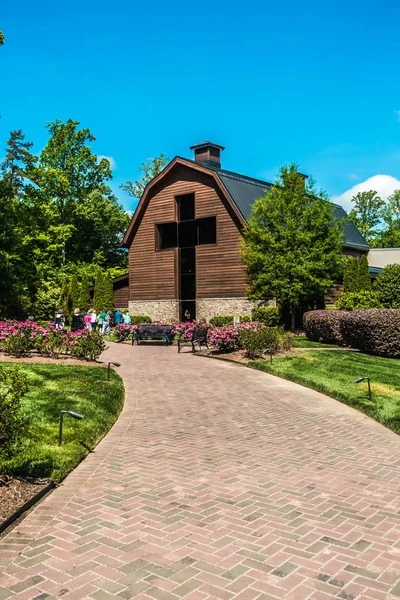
(62, 387)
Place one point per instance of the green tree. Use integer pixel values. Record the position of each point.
(351, 275)
(366, 214)
(292, 243)
(364, 277)
(99, 292)
(1, 38)
(389, 235)
(108, 293)
(149, 169)
(66, 173)
(387, 286)
(84, 296)
(73, 295)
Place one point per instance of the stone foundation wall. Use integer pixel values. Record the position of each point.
(209, 307)
(158, 310)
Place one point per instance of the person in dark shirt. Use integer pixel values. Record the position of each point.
(77, 320)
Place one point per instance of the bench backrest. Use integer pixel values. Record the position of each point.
(200, 333)
(152, 329)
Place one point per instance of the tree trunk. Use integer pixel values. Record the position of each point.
(293, 318)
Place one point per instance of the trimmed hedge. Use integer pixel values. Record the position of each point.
(376, 331)
(222, 320)
(140, 320)
(323, 326)
(358, 300)
(269, 315)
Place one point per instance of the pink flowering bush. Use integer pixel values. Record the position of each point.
(184, 330)
(19, 338)
(225, 339)
(122, 331)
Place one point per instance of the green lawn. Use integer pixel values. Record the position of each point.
(54, 387)
(333, 373)
(300, 341)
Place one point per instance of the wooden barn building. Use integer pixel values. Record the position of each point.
(184, 240)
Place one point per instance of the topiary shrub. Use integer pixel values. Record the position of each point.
(269, 315)
(13, 385)
(387, 286)
(358, 300)
(373, 331)
(140, 320)
(323, 326)
(222, 320)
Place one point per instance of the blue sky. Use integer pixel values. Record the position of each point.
(316, 83)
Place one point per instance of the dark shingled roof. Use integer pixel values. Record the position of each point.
(244, 191)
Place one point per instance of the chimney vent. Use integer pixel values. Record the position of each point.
(208, 153)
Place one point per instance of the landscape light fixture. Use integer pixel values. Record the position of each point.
(360, 379)
(72, 414)
(109, 367)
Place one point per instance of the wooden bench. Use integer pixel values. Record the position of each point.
(199, 337)
(153, 332)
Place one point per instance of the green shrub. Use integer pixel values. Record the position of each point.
(358, 300)
(245, 318)
(387, 286)
(54, 343)
(19, 340)
(373, 331)
(323, 326)
(269, 315)
(222, 320)
(256, 341)
(140, 319)
(13, 385)
(88, 345)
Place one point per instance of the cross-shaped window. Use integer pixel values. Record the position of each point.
(185, 234)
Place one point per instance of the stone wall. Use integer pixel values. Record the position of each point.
(209, 307)
(158, 310)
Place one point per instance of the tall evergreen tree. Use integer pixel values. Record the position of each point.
(364, 277)
(74, 293)
(84, 296)
(98, 301)
(108, 293)
(292, 243)
(351, 275)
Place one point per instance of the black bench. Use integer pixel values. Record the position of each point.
(199, 337)
(153, 332)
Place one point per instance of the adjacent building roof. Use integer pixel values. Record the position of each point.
(244, 191)
(379, 258)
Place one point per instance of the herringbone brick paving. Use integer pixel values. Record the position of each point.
(217, 482)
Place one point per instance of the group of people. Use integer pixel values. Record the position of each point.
(101, 322)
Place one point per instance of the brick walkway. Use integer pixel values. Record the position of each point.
(217, 482)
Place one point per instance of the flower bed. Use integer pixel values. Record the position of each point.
(21, 338)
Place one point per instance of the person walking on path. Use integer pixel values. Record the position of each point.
(77, 320)
(100, 320)
(118, 317)
(59, 319)
(88, 321)
(127, 318)
(93, 320)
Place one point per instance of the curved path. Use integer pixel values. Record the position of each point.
(217, 482)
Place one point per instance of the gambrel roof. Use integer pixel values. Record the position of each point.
(242, 192)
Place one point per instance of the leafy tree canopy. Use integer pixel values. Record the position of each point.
(292, 243)
(366, 214)
(149, 169)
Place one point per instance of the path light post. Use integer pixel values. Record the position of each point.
(109, 367)
(72, 414)
(360, 379)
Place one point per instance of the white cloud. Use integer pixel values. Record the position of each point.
(383, 184)
(110, 159)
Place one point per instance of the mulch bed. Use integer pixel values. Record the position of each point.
(47, 360)
(15, 492)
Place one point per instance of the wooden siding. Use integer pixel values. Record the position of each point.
(121, 297)
(153, 274)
